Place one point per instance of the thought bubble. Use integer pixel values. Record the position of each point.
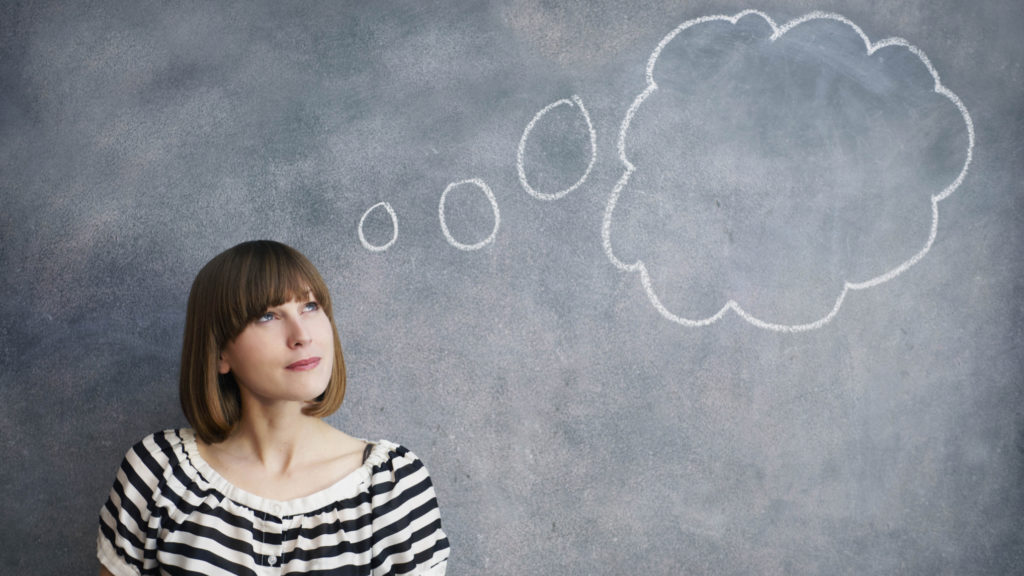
(770, 170)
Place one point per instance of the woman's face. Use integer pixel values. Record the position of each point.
(286, 355)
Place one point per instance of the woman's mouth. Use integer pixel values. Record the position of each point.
(305, 364)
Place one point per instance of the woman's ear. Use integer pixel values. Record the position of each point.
(223, 367)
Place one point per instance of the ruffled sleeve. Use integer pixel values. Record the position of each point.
(130, 521)
(407, 533)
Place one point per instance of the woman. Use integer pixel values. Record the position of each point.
(261, 484)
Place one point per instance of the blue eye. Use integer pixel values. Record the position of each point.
(266, 317)
(312, 306)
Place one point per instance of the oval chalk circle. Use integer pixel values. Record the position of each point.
(577, 102)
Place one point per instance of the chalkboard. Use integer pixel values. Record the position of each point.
(651, 287)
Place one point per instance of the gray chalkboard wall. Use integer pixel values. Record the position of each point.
(666, 295)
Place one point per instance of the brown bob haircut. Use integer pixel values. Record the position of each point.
(231, 291)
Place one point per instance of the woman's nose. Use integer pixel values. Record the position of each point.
(298, 335)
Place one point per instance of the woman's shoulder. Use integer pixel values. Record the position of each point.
(163, 443)
(157, 453)
(390, 462)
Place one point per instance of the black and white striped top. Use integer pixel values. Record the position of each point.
(169, 512)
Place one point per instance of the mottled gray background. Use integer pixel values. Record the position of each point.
(570, 428)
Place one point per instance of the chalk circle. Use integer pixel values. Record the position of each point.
(394, 227)
(494, 208)
(575, 101)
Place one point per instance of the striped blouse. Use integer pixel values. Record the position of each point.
(169, 512)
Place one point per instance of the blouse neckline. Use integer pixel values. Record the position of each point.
(347, 486)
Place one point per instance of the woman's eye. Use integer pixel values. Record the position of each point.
(266, 317)
(312, 306)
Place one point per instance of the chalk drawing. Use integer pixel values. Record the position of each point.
(848, 285)
(394, 227)
(494, 208)
(577, 102)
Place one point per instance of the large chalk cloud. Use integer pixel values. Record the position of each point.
(771, 170)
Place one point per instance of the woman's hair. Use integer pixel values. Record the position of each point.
(232, 290)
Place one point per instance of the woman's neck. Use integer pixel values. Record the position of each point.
(276, 440)
(282, 459)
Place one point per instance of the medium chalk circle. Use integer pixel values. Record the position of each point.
(576, 101)
(494, 207)
(394, 227)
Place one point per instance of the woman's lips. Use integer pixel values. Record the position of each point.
(306, 364)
